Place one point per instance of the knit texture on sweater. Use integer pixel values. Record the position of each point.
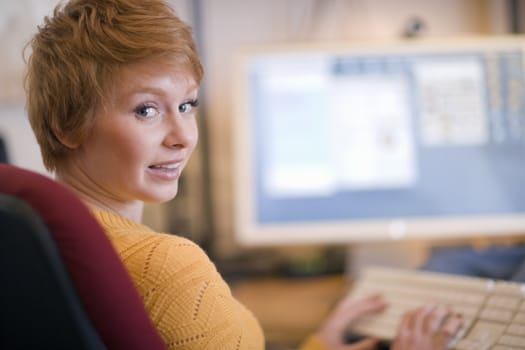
(187, 299)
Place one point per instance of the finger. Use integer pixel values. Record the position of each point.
(408, 321)
(404, 330)
(365, 344)
(354, 309)
(368, 304)
(453, 324)
(451, 327)
(423, 318)
(442, 339)
(437, 317)
(347, 312)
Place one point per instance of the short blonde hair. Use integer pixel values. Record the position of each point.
(78, 52)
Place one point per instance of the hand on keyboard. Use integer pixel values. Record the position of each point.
(493, 311)
(348, 311)
(429, 327)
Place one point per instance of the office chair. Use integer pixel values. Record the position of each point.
(3, 151)
(62, 285)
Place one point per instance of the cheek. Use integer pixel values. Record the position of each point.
(195, 136)
(127, 146)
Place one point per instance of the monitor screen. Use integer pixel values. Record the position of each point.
(409, 140)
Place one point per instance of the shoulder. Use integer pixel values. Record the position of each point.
(186, 297)
(171, 254)
(153, 258)
(133, 240)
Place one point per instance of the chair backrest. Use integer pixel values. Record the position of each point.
(63, 285)
(3, 151)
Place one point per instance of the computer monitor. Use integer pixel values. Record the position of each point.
(342, 143)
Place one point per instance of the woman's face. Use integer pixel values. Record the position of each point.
(142, 136)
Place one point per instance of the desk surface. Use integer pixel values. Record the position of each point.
(290, 309)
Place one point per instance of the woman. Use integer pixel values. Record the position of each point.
(111, 96)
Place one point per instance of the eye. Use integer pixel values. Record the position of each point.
(145, 111)
(187, 107)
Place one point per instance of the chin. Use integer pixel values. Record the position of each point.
(165, 200)
(161, 197)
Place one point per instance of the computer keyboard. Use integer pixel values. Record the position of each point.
(493, 310)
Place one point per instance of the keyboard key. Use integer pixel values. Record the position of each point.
(493, 314)
(511, 303)
(509, 288)
(519, 318)
(515, 329)
(485, 333)
(466, 344)
(512, 340)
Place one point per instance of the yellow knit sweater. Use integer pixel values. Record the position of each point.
(187, 299)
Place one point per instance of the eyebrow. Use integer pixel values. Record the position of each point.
(156, 91)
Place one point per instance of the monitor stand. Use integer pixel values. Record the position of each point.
(403, 254)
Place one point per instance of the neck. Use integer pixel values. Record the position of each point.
(93, 196)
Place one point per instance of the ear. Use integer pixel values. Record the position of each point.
(70, 140)
(72, 133)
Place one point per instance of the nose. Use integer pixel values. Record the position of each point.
(181, 131)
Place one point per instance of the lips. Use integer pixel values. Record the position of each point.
(166, 171)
